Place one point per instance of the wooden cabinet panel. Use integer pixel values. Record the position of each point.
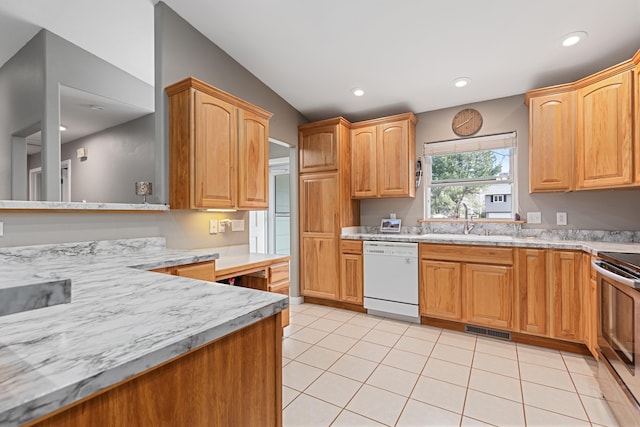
(318, 149)
(364, 162)
(590, 305)
(351, 278)
(489, 295)
(207, 130)
(396, 160)
(636, 117)
(253, 161)
(551, 141)
(279, 272)
(566, 294)
(200, 271)
(215, 130)
(533, 294)
(319, 203)
(604, 133)
(383, 156)
(351, 247)
(462, 253)
(319, 267)
(441, 289)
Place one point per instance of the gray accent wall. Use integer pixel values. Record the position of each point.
(591, 210)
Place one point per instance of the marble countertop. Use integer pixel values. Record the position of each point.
(593, 247)
(122, 320)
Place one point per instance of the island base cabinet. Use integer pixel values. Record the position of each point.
(234, 381)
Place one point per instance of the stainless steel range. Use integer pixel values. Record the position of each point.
(619, 333)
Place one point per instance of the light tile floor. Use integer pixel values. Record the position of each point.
(342, 368)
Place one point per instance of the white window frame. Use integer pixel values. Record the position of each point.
(465, 145)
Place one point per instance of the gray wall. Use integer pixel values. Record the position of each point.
(21, 94)
(118, 157)
(593, 210)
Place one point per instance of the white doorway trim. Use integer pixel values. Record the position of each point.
(35, 182)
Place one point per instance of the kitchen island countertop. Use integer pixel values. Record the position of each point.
(122, 320)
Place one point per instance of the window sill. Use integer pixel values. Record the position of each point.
(482, 220)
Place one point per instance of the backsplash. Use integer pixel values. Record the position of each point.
(510, 229)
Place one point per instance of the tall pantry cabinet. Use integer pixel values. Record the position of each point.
(325, 204)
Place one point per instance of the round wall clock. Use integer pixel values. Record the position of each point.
(466, 122)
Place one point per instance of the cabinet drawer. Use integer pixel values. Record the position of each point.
(200, 271)
(279, 272)
(282, 288)
(461, 253)
(351, 247)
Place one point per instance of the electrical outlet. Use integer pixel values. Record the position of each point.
(213, 226)
(561, 218)
(237, 225)
(534, 218)
(222, 226)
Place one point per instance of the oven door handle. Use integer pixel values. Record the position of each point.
(606, 273)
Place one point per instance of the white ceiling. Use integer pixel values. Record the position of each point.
(403, 53)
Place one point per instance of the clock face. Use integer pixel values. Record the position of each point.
(466, 122)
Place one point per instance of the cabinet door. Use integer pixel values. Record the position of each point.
(489, 295)
(215, 132)
(566, 295)
(441, 289)
(590, 305)
(319, 243)
(351, 278)
(319, 267)
(636, 121)
(551, 142)
(396, 157)
(533, 296)
(363, 162)
(253, 161)
(604, 139)
(318, 149)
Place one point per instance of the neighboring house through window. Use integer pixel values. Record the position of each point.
(477, 172)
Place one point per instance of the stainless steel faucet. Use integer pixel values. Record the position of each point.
(468, 226)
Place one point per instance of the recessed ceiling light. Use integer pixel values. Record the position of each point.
(461, 81)
(63, 128)
(358, 92)
(574, 38)
(96, 107)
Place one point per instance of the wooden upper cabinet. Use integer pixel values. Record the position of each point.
(636, 115)
(215, 132)
(218, 149)
(551, 142)
(383, 156)
(320, 145)
(253, 161)
(605, 133)
(364, 181)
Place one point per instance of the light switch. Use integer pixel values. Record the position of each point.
(561, 218)
(237, 225)
(213, 226)
(534, 218)
(1, 229)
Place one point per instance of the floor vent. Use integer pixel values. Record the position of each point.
(493, 333)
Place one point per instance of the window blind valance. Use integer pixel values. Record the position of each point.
(479, 143)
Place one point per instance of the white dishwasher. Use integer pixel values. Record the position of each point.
(391, 279)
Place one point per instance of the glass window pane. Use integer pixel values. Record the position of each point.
(446, 201)
(282, 193)
(475, 165)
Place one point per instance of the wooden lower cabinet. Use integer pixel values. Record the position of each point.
(489, 295)
(565, 280)
(533, 293)
(441, 289)
(200, 270)
(319, 268)
(590, 305)
(351, 272)
(209, 386)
